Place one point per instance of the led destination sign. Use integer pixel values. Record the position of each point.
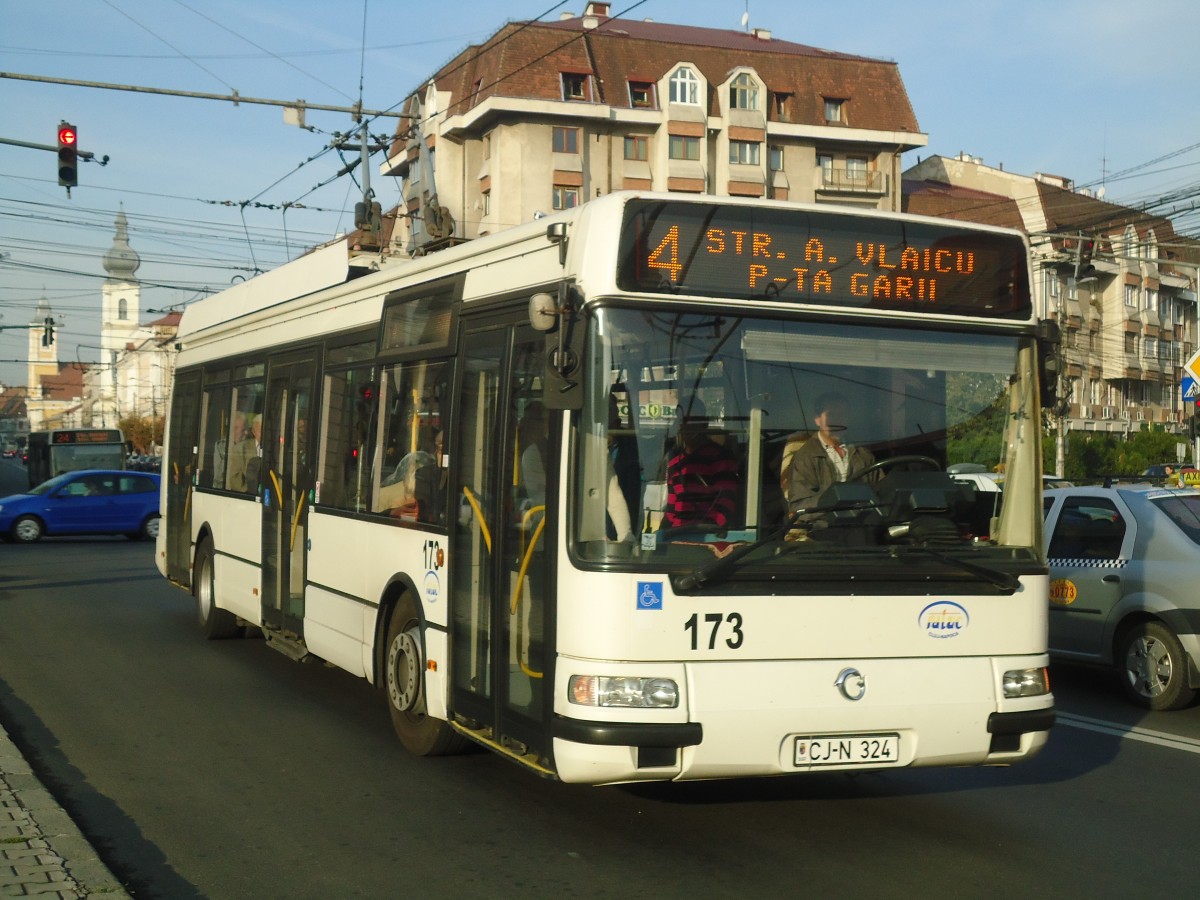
(827, 258)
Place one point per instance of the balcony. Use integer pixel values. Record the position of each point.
(852, 181)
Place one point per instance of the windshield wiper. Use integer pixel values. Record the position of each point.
(702, 575)
(1005, 580)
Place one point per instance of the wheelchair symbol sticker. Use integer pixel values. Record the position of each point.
(649, 595)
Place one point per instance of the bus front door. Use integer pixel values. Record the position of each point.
(501, 562)
(285, 485)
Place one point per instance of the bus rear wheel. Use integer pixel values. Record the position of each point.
(404, 686)
(216, 623)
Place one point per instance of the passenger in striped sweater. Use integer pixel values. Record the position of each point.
(702, 476)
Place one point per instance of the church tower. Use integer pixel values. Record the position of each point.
(120, 311)
(43, 358)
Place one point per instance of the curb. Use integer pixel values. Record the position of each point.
(42, 852)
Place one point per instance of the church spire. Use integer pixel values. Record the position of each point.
(121, 261)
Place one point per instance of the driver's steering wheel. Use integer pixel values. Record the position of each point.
(925, 461)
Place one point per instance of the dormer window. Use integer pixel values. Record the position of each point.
(575, 86)
(641, 95)
(834, 109)
(685, 87)
(743, 93)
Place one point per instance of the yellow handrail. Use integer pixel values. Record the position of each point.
(296, 521)
(528, 554)
(487, 535)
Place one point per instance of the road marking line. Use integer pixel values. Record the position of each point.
(1162, 738)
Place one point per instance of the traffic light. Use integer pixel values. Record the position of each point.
(1085, 251)
(47, 332)
(68, 155)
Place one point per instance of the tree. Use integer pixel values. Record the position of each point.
(144, 433)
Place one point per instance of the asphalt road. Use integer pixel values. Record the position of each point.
(225, 770)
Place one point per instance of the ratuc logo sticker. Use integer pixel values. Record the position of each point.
(944, 619)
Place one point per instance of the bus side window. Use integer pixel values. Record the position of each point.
(348, 441)
(215, 437)
(412, 481)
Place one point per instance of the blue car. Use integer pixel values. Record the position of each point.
(84, 502)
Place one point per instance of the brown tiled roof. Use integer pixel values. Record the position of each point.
(170, 320)
(66, 383)
(935, 198)
(1069, 211)
(12, 402)
(527, 59)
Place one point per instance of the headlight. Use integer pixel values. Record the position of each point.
(626, 691)
(1027, 682)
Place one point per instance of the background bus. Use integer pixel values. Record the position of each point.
(68, 449)
(455, 477)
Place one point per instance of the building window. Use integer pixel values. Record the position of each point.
(833, 109)
(1131, 292)
(641, 95)
(685, 87)
(1130, 342)
(783, 105)
(1150, 348)
(1053, 286)
(743, 93)
(1072, 288)
(487, 145)
(574, 87)
(1150, 299)
(775, 159)
(565, 140)
(682, 147)
(744, 152)
(825, 164)
(122, 309)
(636, 147)
(487, 203)
(565, 197)
(856, 170)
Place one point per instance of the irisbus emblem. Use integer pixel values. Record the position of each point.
(944, 619)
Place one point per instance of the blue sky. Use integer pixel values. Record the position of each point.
(1102, 92)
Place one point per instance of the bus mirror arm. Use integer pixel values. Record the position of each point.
(562, 389)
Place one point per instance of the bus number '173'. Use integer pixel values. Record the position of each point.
(715, 621)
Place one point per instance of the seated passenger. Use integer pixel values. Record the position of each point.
(702, 476)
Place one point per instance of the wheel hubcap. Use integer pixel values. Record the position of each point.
(28, 530)
(404, 671)
(1148, 665)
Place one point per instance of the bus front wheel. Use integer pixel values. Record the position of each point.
(216, 623)
(404, 685)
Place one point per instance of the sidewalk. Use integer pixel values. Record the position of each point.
(42, 853)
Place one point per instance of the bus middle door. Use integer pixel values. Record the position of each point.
(285, 483)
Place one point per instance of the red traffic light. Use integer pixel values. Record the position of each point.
(68, 155)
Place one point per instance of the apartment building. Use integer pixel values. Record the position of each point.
(1121, 283)
(545, 115)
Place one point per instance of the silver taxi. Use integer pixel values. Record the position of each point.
(1124, 578)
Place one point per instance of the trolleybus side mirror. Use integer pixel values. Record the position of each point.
(558, 319)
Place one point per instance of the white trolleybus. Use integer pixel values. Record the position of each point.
(546, 489)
